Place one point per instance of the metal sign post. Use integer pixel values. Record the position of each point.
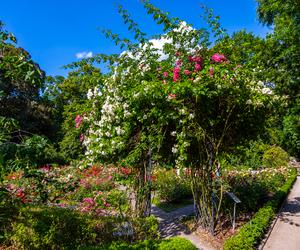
(236, 200)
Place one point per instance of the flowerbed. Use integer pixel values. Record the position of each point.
(252, 232)
(94, 189)
(255, 187)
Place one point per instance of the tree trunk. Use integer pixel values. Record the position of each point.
(143, 187)
(203, 192)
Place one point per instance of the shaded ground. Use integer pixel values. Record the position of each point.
(170, 225)
(286, 231)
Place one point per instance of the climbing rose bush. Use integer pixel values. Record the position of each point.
(159, 88)
(175, 100)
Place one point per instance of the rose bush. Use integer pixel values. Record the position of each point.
(179, 101)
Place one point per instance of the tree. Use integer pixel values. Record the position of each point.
(281, 60)
(21, 81)
(70, 98)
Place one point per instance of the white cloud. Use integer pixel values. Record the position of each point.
(84, 54)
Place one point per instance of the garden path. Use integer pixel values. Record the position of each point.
(170, 225)
(286, 230)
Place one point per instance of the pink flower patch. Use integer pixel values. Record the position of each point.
(78, 121)
(89, 201)
(197, 67)
(45, 168)
(81, 137)
(211, 72)
(178, 63)
(171, 96)
(196, 59)
(165, 74)
(176, 74)
(219, 58)
(186, 72)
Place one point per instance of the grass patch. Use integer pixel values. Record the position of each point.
(171, 206)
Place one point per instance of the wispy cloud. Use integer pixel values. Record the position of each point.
(84, 54)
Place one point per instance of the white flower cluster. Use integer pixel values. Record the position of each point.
(260, 87)
(93, 93)
(105, 134)
(260, 91)
(156, 47)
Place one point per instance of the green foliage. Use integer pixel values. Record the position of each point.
(253, 154)
(172, 206)
(280, 59)
(8, 211)
(145, 228)
(21, 81)
(291, 132)
(19, 149)
(275, 157)
(251, 233)
(281, 54)
(174, 243)
(29, 153)
(62, 228)
(254, 188)
(69, 97)
(51, 228)
(25, 117)
(171, 187)
(245, 156)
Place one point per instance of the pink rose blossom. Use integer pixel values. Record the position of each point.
(186, 72)
(219, 58)
(81, 137)
(45, 168)
(211, 72)
(196, 59)
(99, 211)
(171, 96)
(197, 67)
(89, 201)
(178, 63)
(78, 120)
(176, 74)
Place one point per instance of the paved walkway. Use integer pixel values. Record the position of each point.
(170, 225)
(286, 231)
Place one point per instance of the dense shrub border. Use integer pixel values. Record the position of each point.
(174, 243)
(252, 232)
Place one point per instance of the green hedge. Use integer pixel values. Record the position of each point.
(168, 244)
(252, 232)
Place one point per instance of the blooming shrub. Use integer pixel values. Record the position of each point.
(251, 233)
(275, 157)
(180, 101)
(93, 190)
(255, 187)
(171, 187)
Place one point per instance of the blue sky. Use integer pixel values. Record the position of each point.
(54, 31)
